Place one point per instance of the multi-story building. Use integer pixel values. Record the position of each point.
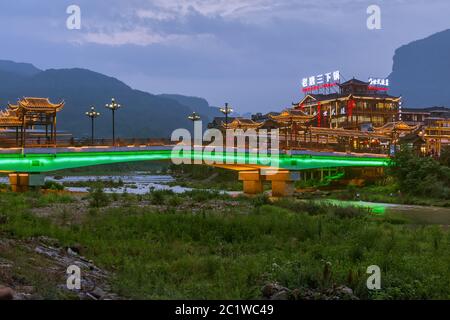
(356, 104)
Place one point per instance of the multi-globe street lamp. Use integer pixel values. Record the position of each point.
(113, 106)
(92, 114)
(226, 110)
(194, 117)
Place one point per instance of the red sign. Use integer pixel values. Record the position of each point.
(318, 87)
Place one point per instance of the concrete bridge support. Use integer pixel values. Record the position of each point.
(282, 181)
(21, 182)
(253, 183)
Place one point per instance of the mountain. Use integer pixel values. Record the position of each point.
(23, 69)
(421, 71)
(143, 114)
(196, 104)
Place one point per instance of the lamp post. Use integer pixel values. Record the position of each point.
(194, 117)
(226, 111)
(113, 106)
(92, 114)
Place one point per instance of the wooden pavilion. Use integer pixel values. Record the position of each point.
(32, 112)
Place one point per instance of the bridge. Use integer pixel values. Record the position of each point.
(26, 167)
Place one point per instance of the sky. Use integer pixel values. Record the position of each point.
(250, 53)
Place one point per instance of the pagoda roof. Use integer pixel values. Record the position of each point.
(399, 126)
(9, 118)
(242, 123)
(339, 96)
(292, 114)
(355, 81)
(36, 105)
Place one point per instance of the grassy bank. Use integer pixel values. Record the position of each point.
(203, 246)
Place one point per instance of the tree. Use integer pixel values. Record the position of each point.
(420, 176)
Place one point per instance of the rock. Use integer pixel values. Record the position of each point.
(345, 292)
(98, 293)
(281, 295)
(6, 293)
(71, 252)
(270, 289)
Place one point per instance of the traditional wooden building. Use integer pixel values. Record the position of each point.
(424, 116)
(30, 113)
(398, 128)
(436, 136)
(354, 105)
(242, 123)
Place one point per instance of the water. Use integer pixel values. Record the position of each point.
(134, 183)
(413, 213)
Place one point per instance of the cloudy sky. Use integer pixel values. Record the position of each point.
(251, 53)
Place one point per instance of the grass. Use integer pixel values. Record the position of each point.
(167, 254)
(388, 193)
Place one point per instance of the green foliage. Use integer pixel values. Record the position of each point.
(260, 200)
(156, 255)
(444, 159)
(420, 176)
(97, 197)
(52, 185)
(157, 197)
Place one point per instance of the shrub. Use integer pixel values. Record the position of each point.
(260, 200)
(98, 198)
(420, 176)
(52, 185)
(157, 197)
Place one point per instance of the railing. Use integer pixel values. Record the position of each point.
(43, 143)
(139, 142)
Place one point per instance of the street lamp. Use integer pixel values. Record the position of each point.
(113, 106)
(194, 117)
(92, 114)
(226, 110)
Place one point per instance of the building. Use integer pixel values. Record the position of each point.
(437, 136)
(218, 122)
(424, 116)
(25, 117)
(356, 104)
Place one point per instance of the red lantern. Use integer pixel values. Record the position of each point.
(319, 114)
(350, 105)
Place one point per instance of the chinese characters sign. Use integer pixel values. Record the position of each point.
(321, 81)
(378, 84)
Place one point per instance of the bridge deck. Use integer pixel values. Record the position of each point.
(54, 159)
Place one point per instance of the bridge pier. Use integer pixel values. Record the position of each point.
(21, 182)
(252, 181)
(282, 181)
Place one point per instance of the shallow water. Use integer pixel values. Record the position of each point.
(134, 183)
(416, 214)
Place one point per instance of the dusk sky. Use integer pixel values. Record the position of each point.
(251, 53)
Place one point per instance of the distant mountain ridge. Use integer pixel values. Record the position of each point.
(421, 71)
(143, 114)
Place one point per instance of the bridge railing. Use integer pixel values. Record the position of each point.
(137, 142)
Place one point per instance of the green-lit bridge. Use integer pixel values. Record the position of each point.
(23, 164)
